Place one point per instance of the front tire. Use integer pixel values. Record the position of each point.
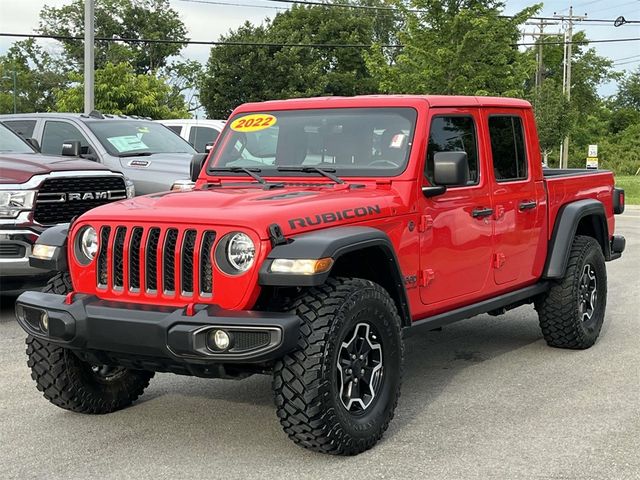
(76, 385)
(572, 312)
(337, 393)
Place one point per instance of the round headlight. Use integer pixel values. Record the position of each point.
(89, 243)
(240, 251)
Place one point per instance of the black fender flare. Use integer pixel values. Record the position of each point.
(565, 229)
(55, 236)
(334, 242)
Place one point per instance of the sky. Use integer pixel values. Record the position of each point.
(207, 21)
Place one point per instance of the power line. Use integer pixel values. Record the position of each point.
(626, 58)
(270, 44)
(198, 42)
(235, 4)
(387, 9)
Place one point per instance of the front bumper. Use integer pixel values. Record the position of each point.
(155, 337)
(15, 248)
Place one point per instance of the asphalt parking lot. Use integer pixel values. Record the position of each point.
(482, 399)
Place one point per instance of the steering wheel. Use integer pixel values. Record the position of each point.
(382, 161)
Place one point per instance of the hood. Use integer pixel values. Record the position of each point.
(296, 209)
(19, 168)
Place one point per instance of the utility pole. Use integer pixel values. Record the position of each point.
(89, 60)
(541, 24)
(566, 85)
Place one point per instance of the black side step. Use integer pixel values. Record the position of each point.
(505, 300)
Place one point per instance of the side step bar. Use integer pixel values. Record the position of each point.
(511, 299)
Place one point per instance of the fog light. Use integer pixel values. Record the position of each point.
(44, 322)
(219, 339)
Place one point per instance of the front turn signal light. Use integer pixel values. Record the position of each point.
(43, 252)
(301, 266)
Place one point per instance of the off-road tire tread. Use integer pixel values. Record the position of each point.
(298, 381)
(57, 374)
(557, 312)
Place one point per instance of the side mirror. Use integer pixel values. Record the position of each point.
(450, 169)
(33, 142)
(208, 147)
(71, 148)
(197, 162)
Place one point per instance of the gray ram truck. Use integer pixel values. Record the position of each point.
(146, 152)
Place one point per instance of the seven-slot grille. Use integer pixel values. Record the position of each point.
(61, 199)
(156, 260)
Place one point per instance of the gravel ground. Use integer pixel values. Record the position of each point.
(482, 399)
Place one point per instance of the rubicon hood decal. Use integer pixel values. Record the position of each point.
(330, 217)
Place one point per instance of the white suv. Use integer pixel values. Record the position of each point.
(201, 133)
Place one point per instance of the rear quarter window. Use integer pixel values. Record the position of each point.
(508, 147)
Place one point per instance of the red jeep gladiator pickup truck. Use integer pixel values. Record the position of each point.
(318, 230)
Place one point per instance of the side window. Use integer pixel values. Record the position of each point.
(508, 148)
(24, 128)
(453, 134)
(200, 136)
(176, 128)
(55, 133)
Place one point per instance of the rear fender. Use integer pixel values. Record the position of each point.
(583, 217)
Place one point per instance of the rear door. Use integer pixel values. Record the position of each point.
(518, 203)
(455, 245)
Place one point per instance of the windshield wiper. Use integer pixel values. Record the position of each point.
(248, 171)
(325, 172)
(135, 154)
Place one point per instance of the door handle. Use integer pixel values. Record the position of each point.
(527, 205)
(481, 212)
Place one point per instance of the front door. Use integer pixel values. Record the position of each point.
(456, 227)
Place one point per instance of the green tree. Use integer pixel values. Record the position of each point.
(120, 90)
(238, 74)
(37, 73)
(621, 152)
(553, 116)
(153, 19)
(456, 47)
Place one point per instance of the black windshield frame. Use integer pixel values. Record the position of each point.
(374, 115)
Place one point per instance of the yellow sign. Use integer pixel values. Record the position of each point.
(253, 122)
(592, 162)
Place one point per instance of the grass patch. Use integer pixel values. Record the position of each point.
(631, 185)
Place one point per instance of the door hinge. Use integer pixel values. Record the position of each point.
(427, 277)
(426, 222)
(499, 260)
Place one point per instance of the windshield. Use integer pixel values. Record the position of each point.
(10, 142)
(131, 137)
(348, 141)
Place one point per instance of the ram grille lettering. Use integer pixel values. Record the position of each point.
(331, 217)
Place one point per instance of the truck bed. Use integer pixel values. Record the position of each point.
(568, 185)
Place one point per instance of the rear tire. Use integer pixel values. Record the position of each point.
(572, 312)
(337, 393)
(76, 385)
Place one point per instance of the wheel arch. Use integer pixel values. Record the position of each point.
(355, 251)
(55, 236)
(583, 217)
